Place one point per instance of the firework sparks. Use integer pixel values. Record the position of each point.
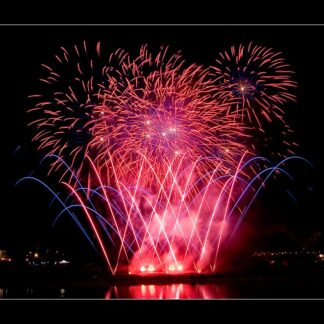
(156, 152)
(258, 78)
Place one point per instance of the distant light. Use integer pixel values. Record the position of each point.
(36, 255)
(147, 122)
(171, 267)
(227, 150)
(180, 267)
(242, 88)
(176, 152)
(129, 273)
(4, 259)
(142, 269)
(163, 134)
(151, 268)
(64, 262)
(148, 135)
(199, 270)
(101, 139)
(321, 256)
(102, 113)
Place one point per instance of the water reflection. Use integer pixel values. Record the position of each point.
(292, 287)
(172, 291)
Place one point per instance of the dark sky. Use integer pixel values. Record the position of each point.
(25, 219)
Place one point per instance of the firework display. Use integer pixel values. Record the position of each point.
(260, 80)
(158, 154)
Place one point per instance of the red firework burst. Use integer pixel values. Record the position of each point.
(150, 107)
(156, 109)
(258, 78)
(159, 148)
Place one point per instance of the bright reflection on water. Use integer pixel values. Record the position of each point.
(138, 291)
(286, 287)
(172, 291)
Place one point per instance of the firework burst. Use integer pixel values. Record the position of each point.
(151, 107)
(260, 80)
(155, 108)
(158, 153)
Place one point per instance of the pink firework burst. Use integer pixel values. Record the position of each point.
(156, 151)
(154, 108)
(258, 78)
(120, 110)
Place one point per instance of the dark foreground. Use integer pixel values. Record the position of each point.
(71, 284)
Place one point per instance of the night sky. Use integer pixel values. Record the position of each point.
(25, 219)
